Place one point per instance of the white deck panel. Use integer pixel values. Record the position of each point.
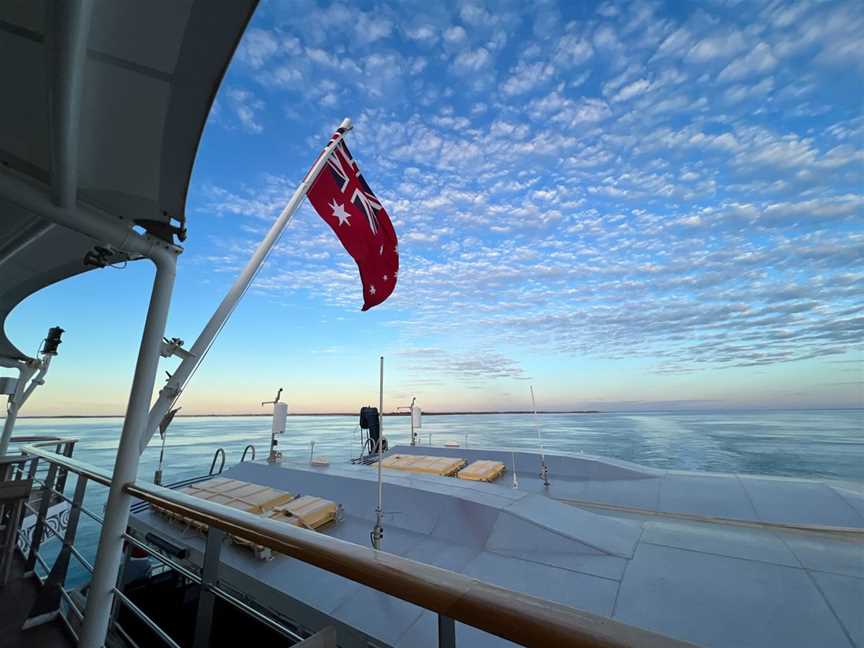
(846, 597)
(693, 494)
(840, 556)
(747, 498)
(714, 583)
(787, 501)
(734, 542)
(719, 601)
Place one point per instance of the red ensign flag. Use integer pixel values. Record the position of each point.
(342, 198)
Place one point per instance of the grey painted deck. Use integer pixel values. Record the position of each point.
(712, 583)
(748, 498)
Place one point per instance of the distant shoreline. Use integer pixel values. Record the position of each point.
(84, 416)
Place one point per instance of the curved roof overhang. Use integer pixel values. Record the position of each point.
(103, 111)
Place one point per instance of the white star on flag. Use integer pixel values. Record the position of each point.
(340, 213)
(385, 277)
(371, 290)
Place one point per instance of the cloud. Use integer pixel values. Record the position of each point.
(472, 61)
(424, 34)
(456, 36)
(257, 47)
(526, 77)
(758, 61)
(469, 367)
(558, 108)
(632, 90)
(717, 46)
(631, 185)
(246, 108)
(572, 50)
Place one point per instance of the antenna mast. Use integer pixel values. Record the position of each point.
(544, 469)
(378, 530)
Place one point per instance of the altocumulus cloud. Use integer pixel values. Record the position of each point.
(692, 196)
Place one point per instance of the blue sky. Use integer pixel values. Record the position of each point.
(629, 206)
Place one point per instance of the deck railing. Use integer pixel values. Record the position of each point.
(520, 618)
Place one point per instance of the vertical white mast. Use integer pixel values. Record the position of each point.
(544, 470)
(378, 530)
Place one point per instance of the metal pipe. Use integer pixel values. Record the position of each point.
(162, 558)
(108, 556)
(177, 383)
(13, 404)
(106, 229)
(67, 33)
(38, 379)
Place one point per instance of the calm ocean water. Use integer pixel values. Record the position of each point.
(826, 443)
(801, 443)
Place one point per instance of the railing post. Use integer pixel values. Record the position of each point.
(68, 448)
(34, 466)
(121, 580)
(13, 494)
(209, 576)
(47, 604)
(39, 527)
(446, 632)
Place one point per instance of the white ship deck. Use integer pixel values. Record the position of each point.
(751, 583)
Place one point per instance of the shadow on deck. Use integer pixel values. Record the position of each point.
(16, 598)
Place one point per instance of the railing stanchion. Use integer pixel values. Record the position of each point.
(68, 448)
(39, 527)
(121, 581)
(209, 576)
(446, 632)
(47, 604)
(34, 466)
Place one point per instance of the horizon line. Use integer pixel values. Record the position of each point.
(463, 412)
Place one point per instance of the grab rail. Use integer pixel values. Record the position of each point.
(213, 463)
(245, 450)
(521, 618)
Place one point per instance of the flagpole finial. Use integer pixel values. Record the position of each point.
(346, 125)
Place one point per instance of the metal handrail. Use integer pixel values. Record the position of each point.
(218, 452)
(518, 617)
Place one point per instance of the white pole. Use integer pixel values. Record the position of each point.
(411, 414)
(536, 426)
(544, 471)
(172, 390)
(378, 531)
(100, 596)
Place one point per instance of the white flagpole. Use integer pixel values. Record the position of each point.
(192, 359)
